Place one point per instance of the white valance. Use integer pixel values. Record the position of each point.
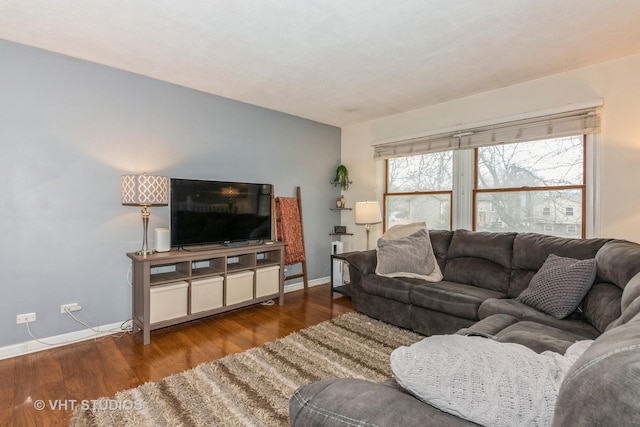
(577, 122)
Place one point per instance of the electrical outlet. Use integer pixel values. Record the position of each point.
(25, 317)
(74, 306)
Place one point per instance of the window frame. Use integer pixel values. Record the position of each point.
(582, 187)
(387, 194)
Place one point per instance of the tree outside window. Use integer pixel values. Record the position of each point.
(419, 188)
(531, 186)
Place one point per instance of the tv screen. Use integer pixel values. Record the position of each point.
(214, 212)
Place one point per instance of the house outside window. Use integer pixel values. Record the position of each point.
(546, 211)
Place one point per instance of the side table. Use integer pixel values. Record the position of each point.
(339, 260)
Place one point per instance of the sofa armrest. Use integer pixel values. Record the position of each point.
(349, 402)
(601, 387)
(364, 262)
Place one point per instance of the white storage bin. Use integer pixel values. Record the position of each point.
(239, 287)
(206, 294)
(168, 301)
(267, 281)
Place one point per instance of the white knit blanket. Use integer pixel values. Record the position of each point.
(484, 381)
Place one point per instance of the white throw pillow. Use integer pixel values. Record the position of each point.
(482, 380)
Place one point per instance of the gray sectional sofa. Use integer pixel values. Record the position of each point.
(484, 274)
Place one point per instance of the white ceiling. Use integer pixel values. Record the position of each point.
(334, 61)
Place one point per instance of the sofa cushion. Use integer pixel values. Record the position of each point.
(480, 259)
(489, 326)
(559, 285)
(410, 256)
(396, 289)
(452, 298)
(351, 402)
(482, 380)
(531, 250)
(523, 312)
(538, 337)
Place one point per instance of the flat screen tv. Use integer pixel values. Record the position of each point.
(219, 212)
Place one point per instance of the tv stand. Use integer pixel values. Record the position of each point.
(179, 286)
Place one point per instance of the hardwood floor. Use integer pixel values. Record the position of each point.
(65, 376)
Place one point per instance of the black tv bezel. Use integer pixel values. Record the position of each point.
(224, 242)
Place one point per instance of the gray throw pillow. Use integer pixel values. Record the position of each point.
(410, 256)
(559, 286)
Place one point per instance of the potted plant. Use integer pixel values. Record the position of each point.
(342, 178)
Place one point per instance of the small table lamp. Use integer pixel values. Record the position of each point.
(368, 213)
(145, 190)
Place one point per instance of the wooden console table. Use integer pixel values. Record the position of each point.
(183, 285)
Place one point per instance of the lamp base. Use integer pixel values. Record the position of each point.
(367, 227)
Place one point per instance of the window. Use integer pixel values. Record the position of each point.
(419, 188)
(514, 180)
(536, 186)
(527, 174)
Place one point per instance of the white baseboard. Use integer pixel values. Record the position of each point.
(114, 328)
(300, 285)
(58, 340)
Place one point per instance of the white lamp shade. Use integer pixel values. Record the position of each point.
(145, 190)
(368, 213)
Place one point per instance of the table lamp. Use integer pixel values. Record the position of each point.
(145, 190)
(367, 213)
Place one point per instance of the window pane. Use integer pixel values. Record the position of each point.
(545, 163)
(435, 209)
(536, 211)
(428, 172)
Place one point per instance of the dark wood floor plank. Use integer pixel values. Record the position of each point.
(65, 376)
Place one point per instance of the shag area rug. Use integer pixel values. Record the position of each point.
(253, 388)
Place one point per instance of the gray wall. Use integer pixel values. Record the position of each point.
(69, 129)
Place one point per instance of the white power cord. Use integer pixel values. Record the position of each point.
(125, 328)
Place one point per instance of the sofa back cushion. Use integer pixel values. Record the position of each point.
(618, 261)
(480, 259)
(601, 305)
(530, 251)
(440, 241)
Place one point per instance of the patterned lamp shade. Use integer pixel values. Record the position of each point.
(145, 190)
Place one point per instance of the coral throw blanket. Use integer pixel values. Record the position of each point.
(290, 229)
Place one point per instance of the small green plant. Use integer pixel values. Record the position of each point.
(342, 178)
